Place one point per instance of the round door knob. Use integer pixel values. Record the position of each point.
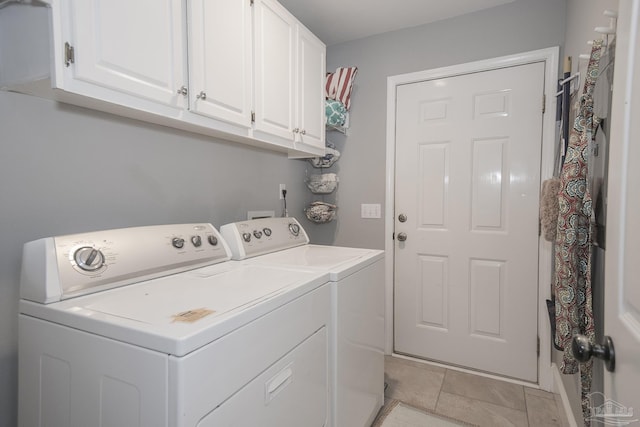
(583, 350)
(402, 237)
(183, 91)
(303, 132)
(202, 95)
(402, 218)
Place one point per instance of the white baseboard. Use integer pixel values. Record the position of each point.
(558, 387)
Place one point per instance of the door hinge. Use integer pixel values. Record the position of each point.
(251, 2)
(544, 103)
(253, 117)
(538, 346)
(69, 54)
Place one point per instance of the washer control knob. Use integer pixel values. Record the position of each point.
(257, 233)
(213, 240)
(88, 258)
(177, 242)
(294, 228)
(196, 240)
(267, 231)
(246, 237)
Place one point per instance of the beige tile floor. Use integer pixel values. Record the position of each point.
(471, 398)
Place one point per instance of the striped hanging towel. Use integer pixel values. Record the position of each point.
(340, 84)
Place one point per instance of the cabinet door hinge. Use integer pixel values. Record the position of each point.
(253, 117)
(538, 346)
(544, 103)
(251, 2)
(69, 54)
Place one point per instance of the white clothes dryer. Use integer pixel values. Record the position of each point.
(357, 331)
(150, 326)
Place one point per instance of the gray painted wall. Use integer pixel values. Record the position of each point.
(517, 27)
(65, 169)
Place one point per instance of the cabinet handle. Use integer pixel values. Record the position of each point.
(296, 130)
(183, 91)
(202, 95)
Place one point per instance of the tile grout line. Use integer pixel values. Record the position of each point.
(435, 407)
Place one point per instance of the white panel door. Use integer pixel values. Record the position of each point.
(622, 286)
(275, 44)
(220, 40)
(467, 179)
(310, 89)
(133, 47)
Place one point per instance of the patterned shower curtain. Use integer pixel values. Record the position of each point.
(574, 308)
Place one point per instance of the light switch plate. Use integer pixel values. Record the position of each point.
(370, 210)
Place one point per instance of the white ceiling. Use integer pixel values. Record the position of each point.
(337, 21)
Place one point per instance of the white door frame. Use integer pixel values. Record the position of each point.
(550, 56)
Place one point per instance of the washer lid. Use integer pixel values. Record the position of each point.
(180, 313)
(337, 260)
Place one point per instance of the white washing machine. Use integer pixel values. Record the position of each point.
(150, 326)
(357, 292)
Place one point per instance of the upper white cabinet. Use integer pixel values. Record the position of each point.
(289, 61)
(207, 66)
(220, 64)
(310, 88)
(134, 47)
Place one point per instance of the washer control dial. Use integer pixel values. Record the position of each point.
(246, 237)
(257, 234)
(213, 240)
(196, 240)
(267, 231)
(88, 258)
(294, 228)
(177, 242)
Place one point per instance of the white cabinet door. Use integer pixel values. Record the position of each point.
(275, 43)
(220, 37)
(310, 88)
(137, 48)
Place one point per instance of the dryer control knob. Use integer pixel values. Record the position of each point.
(257, 234)
(196, 240)
(246, 237)
(88, 258)
(177, 242)
(213, 240)
(294, 229)
(267, 231)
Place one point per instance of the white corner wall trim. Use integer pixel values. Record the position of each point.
(558, 387)
(550, 56)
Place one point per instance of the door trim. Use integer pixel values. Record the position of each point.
(550, 56)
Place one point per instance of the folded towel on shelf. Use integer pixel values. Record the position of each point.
(335, 111)
(340, 84)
